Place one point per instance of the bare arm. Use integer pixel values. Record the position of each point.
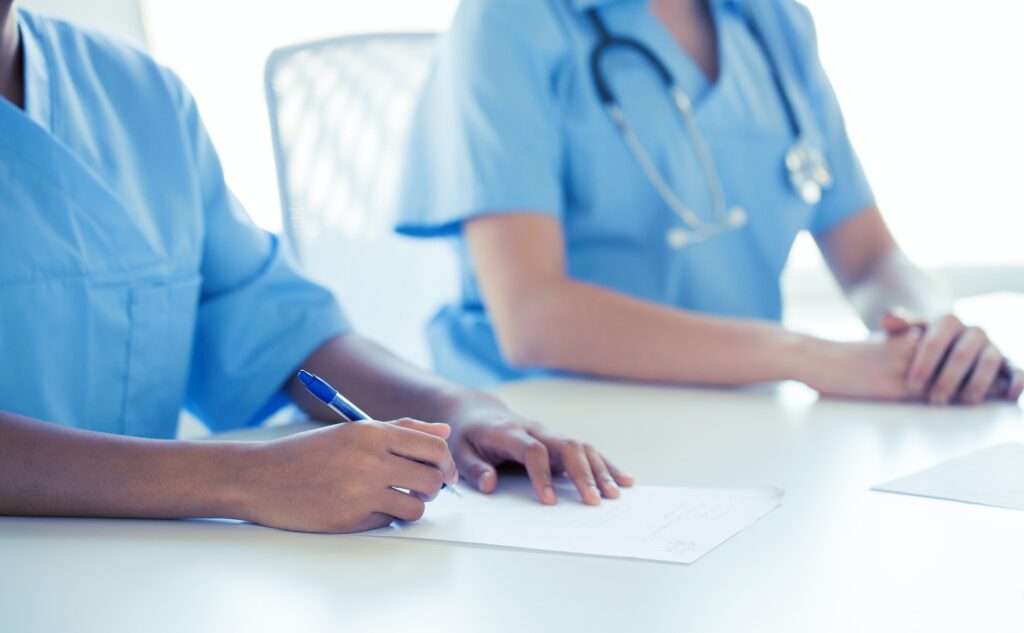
(46, 469)
(337, 479)
(546, 319)
(382, 384)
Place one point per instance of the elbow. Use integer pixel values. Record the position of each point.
(525, 338)
(523, 355)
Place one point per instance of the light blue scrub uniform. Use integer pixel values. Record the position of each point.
(131, 281)
(509, 120)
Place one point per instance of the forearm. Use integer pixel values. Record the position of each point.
(49, 470)
(894, 281)
(572, 326)
(382, 384)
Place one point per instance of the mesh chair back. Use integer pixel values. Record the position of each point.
(339, 112)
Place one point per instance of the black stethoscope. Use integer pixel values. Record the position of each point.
(808, 170)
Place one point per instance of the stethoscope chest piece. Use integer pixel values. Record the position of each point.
(809, 173)
(680, 237)
(737, 218)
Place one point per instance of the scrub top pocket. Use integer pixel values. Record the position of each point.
(162, 315)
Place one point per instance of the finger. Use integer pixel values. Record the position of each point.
(983, 376)
(621, 477)
(531, 453)
(480, 472)
(372, 522)
(402, 505)
(1004, 381)
(896, 321)
(930, 351)
(515, 444)
(538, 467)
(1016, 385)
(958, 364)
(422, 447)
(572, 457)
(439, 429)
(605, 481)
(415, 477)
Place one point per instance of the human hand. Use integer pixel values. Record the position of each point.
(343, 478)
(874, 369)
(955, 362)
(489, 435)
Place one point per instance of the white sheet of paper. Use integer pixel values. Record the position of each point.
(991, 477)
(649, 522)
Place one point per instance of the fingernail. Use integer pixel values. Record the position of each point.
(481, 480)
(595, 494)
(549, 494)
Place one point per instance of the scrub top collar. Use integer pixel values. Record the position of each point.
(38, 95)
(584, 5)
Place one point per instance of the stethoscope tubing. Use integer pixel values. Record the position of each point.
(807, 183)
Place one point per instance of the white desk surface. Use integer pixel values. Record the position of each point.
(834, 557)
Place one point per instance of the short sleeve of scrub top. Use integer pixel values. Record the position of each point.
(258, 318)
(487, 120)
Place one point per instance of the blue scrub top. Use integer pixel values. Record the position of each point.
(509, 120)
(132, 283)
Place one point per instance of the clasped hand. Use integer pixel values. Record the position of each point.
(953, 362)
(941, 362)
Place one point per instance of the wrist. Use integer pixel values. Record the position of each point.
(224, 486)
(805, 358)
(466, 405)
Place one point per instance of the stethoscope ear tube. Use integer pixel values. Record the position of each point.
(647, 165)
(605, 43)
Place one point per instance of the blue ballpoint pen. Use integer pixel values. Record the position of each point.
(341, 405)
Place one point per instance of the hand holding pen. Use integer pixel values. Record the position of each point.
(344, 407)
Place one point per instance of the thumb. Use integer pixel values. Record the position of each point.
(441, 430)
(897, 321)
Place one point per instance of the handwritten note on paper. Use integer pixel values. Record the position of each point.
(649, 522)
(992, 477)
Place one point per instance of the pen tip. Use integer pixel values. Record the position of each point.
(305, 377)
